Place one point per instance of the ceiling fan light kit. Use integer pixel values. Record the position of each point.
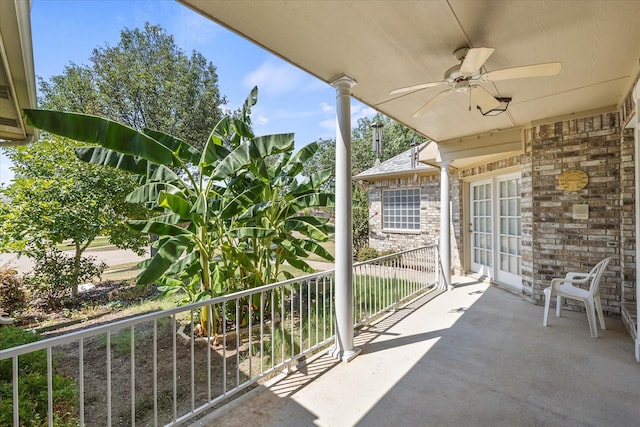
(460, 77)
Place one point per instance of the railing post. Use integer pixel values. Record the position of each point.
(344, 348)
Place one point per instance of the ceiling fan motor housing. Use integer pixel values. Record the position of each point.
(462, 86)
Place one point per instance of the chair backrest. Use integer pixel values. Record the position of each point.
(596, 274)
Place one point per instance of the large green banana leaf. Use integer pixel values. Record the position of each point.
(97, 130)
(248, 151)
(159, 228)
(106, 157)
(168, 253)
(311, 183)
(149, 193)
(296, 164)
(180, 148)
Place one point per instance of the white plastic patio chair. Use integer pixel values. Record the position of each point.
(564, 288)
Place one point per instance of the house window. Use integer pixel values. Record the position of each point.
(401, 209)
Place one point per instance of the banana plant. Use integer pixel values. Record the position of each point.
(228, 216)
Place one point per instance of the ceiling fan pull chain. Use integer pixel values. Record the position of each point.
(469, 100)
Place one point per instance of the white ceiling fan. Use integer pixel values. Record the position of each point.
(460, 77)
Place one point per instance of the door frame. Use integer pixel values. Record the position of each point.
(467, 216)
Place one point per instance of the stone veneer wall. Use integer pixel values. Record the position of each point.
(553, 242)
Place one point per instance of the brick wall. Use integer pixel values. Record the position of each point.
(553, 242)
(490, 167)
(627, 219)
(388, 240)
(457, 243)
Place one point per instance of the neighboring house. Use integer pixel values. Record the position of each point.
(404, 202)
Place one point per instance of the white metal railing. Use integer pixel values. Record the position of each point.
(154, 370)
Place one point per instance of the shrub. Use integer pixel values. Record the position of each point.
(367, 253)
(12, 297)
(360, 217)
(387, 252)
(55, 275)
(11, 336)
(32, 385)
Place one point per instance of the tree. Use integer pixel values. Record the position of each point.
(360, 215)
(56, 197)
(145, 81)
(396, 139)
(229, 225)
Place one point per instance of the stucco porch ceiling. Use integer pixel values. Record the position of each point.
(389, 44)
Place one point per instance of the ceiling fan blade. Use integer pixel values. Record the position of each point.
(483, 99)
(431, 102)
(475, 59)
(416, 87)
(537, 70)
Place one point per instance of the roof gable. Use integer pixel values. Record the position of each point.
(402, 164)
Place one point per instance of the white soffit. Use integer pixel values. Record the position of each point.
(17, 77)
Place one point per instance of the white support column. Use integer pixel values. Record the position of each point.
(445, 221)
(343, 348)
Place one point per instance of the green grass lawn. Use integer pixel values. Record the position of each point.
(121, 272)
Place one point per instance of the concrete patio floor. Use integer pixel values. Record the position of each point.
(474, 356)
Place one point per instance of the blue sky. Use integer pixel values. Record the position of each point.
(289, 99)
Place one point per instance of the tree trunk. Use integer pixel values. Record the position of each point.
(76, 270)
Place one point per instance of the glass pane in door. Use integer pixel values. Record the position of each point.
(510, 226)
(482, 234)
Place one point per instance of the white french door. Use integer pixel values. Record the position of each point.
(496, 229)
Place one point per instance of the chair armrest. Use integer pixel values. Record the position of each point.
(558, 281)
(573, 275)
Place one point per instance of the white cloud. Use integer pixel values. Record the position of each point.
(261, 120)
(329, 124)
(192, 31)
(289, 114)
(327, 108)
(274, 78)
(359, 111)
